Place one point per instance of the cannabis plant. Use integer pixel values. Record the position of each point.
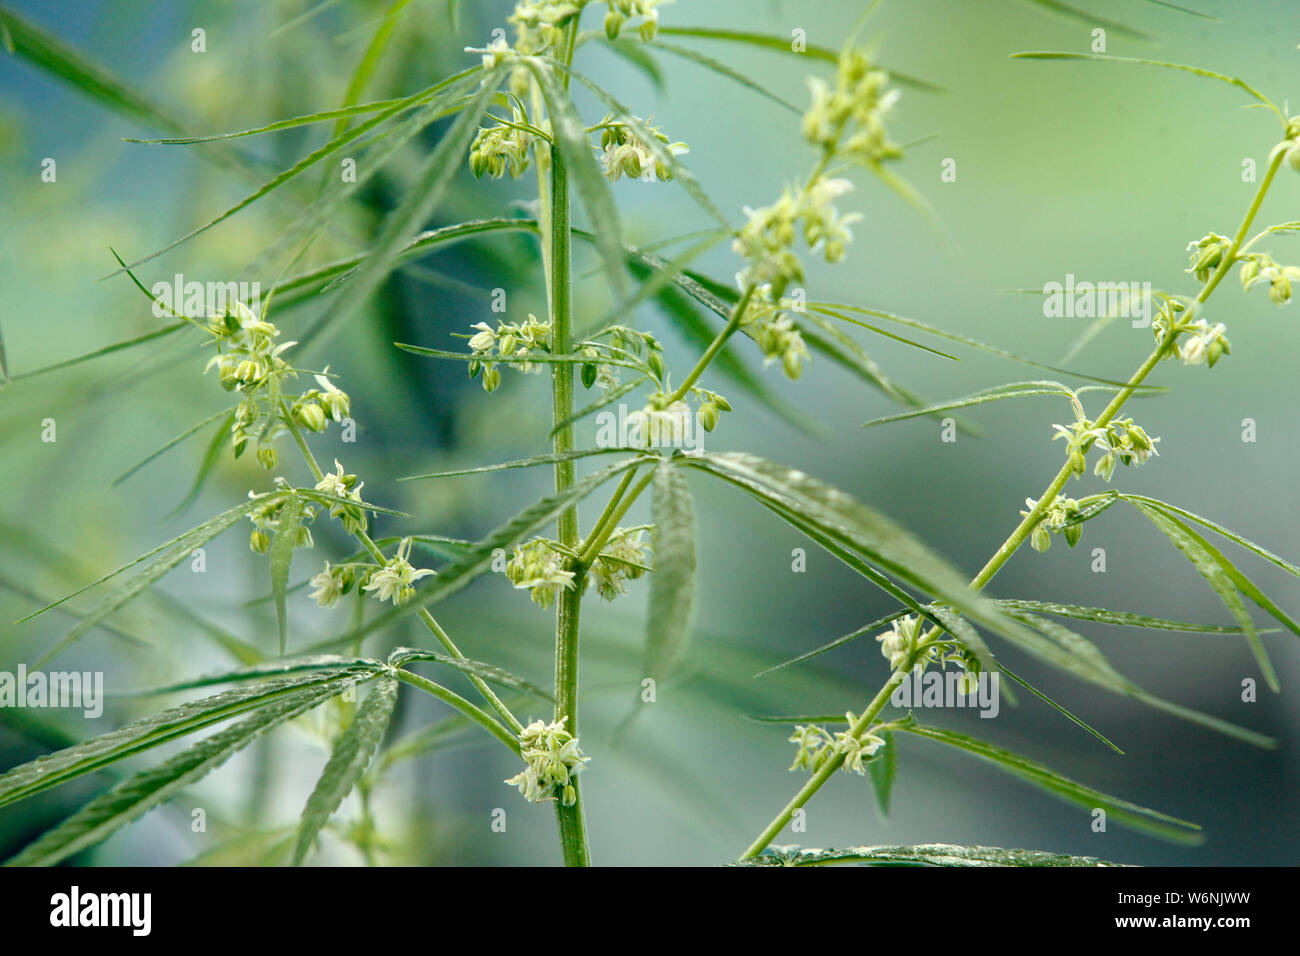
(626, 424)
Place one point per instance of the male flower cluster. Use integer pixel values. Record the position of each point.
(816, 746)
(767, 239)
(1062, 516)
(552, 760)
(539, 567)
(507, 340)
(349, 509)
(620, 11)
(396, 579)
(857, 105)
(769, 323)
(269, 520)
(625, 153)
(501, 149)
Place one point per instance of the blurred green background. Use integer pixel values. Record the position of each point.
(1103, 171)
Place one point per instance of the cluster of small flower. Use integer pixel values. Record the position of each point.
(248, 360)
(1200, 343)
(857, 105)
(552, 760)
(767, 239)
(620, 11)
(769, 322)
(1122, 441)
(501, 149)
(1062, 516)
(392, 581)
(539, 567)
(816, 746)
(348, 508)
(847, 123)
(271, 518)
(507, 340)
(625, 153)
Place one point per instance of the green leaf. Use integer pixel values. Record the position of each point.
(1117, 618)
(636, 54)
(164, 558)
(1089, 19)
(51, 54)
(131, 799)
(342, 270)
(1129, 814)
(422, 198)
(279, 558)
(50, 770)
(823, 338)
(351, 756)
(1075, 654)
(1224, 579)
(926, 854)
(836, 309)
(253, 848)
(995, 394)
(1249, 545)
(315, 156)
(548, 459)
(98, 353)
(1105, 58)
(871, 628)
(310, 664)
(292, 123)
(1063, 711)
(225, 412)
(672, 586)
(883, 770)
(784, 45)
(863, 531)
(717, 66)
(489, 672)
(211, 455)
(1194, 13)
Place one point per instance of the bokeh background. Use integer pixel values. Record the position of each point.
(1102, 171)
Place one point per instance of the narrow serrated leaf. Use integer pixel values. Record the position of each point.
(351, 756)
(1122, 811)
(133, 798)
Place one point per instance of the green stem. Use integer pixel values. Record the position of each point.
(597, 533)
(473, 712)
(715, 346)
(557, 239)
(1030, 521)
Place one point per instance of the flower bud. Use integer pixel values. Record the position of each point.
(259, 541)
(266, 457)
(1041, 539)
(709, 416)
(613, 24)
(310, 415)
